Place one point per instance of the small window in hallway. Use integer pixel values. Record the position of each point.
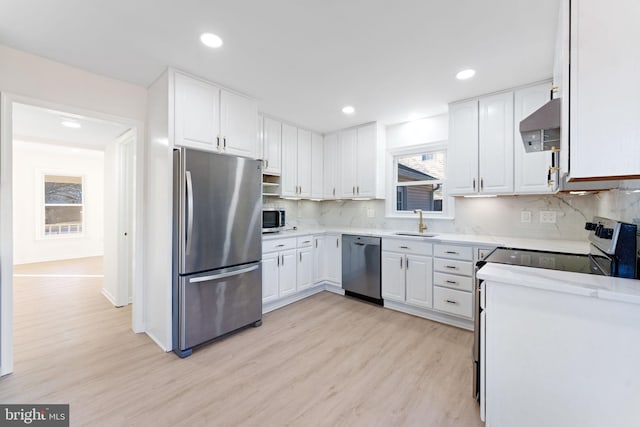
(63, 205)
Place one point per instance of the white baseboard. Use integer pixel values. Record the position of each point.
(431, 315)
(274, 305)
(109, 297)
(332, 287)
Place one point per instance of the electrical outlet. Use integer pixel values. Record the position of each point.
(371, 213)
(548, 217)
(525, 216)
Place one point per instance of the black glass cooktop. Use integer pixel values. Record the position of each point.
(539, 259)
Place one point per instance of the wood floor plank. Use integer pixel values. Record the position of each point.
(327, 360)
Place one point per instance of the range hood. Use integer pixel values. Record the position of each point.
(541, 129)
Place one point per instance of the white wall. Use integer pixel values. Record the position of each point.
(430, 129)
(24, 76)
(31, 160)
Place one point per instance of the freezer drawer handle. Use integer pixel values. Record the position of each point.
(223, 275)
(190, 209)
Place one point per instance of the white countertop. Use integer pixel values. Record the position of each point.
(588, 285)
(566, 246)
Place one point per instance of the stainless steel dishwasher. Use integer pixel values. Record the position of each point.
(361, 267)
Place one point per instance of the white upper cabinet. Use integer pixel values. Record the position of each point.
(331, 160)
(362, 168)
(531, 169)
(462, 154)
(272, 146)
(480, 155)
(317, 166)
(289, 176)
(196, 112)
(211, 118)
(348, 145)
(496, 144)
(238, 124)
(304, 163)
(605, 89)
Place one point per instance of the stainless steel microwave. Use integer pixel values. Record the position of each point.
(273, 220)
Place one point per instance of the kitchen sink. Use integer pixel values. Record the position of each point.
(406, 233)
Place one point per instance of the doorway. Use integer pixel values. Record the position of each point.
(81, 210)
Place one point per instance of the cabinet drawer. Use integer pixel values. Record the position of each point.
(464, 268)
(453, 252)
(407, 246)
(454, 302)
(304, 241)
(278, 245)
(452, 281)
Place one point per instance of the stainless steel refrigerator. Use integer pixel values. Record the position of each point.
(217, 246)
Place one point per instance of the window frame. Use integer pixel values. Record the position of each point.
(391, 202)
(41, 219)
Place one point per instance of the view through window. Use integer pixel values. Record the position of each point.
(63, 205)
(420, 180)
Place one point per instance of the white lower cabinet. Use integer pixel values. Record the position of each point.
(453, 280)
(407, 275)
(278, 269)
(333, 259)
(304, 269)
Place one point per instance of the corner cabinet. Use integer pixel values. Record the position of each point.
(604, 89)
(480, 157)
(211, 118)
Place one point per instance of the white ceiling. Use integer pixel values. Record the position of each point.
(303, 59)
(37, 124)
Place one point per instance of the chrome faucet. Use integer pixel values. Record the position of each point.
(421, 226)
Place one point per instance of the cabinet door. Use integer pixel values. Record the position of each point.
(331, 166)
(317, 165)
(366, 161)
(419, 277)
(289, 176)
(238, 125)
(319, 259)
(530, 169)
(393, 280)
(496, 143)
(196, 113)
(304, 163)
(288, 279)
(334, 259)
(304, 270)
(462, 154)
(348, 143)
(272, 137)
(270, 264)
(605, 89)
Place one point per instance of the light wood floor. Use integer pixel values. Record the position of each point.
(325, 361)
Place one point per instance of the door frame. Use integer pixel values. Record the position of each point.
(6, 217)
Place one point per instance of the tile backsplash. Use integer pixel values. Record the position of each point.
(500, 216)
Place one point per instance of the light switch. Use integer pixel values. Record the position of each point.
(525, 216)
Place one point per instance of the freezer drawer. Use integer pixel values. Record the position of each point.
(215, 303)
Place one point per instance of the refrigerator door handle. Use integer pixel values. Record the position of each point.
(224, 275)
(190, 209)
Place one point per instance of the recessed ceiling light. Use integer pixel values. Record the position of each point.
(465, 74)
(348, 109)
(70, 124)
(211, 40)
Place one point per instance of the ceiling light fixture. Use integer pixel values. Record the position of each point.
(70, 124)
(465, 74)
(211, 40)
(348, 109)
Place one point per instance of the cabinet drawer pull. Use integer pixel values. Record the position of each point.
(453, 252)
(400, 263)
(306, 241)
(405, 247)
(453, 267)
(449, 301)
(279, 246)
(451, 281)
